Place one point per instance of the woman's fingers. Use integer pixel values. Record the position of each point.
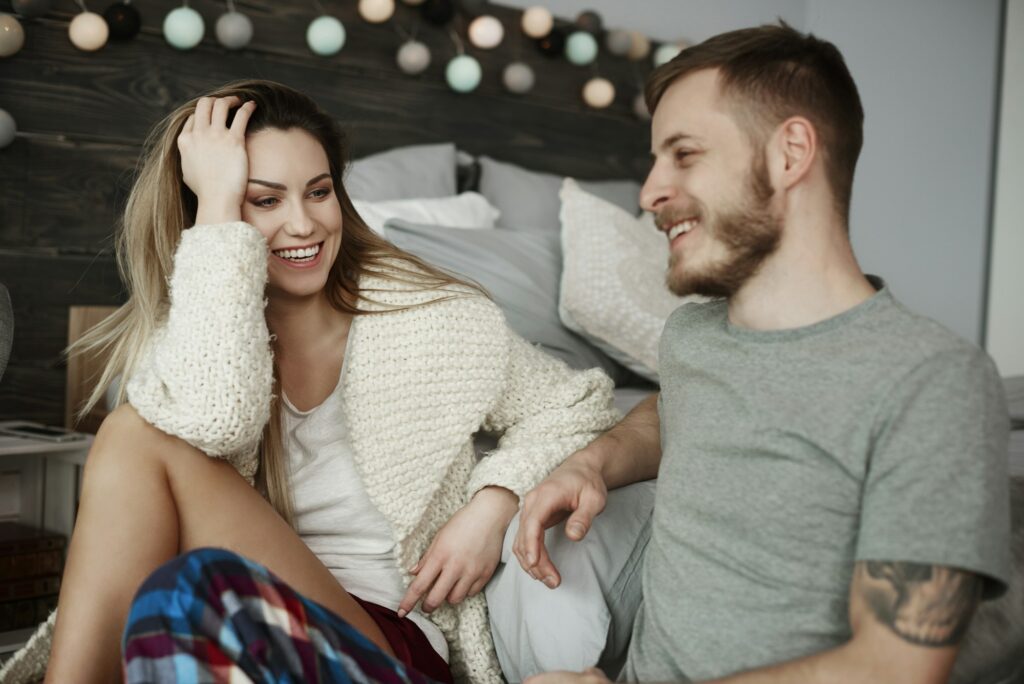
(462, 589)
(221, 107)
(242, 118)
(202, 114)
(418, 587)
(189, 123)
(442, 587)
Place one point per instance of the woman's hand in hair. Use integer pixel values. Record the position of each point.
(214, 164)
(464, 554)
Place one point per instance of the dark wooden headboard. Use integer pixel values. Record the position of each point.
(63, 186)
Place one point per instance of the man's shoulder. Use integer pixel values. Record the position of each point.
(697, 310)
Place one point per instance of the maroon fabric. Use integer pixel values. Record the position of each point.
(409, 643)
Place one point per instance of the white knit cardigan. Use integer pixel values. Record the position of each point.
(420, 382)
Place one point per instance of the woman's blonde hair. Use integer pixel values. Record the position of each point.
(161, 206)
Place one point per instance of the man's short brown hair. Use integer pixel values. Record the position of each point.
(772, 73)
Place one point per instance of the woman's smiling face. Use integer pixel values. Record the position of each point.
(290, 200)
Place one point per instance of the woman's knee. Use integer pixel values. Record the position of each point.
(126, 442)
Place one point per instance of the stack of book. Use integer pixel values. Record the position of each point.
(31, 561)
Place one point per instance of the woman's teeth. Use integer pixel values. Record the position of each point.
(304, 254)
(680, 228)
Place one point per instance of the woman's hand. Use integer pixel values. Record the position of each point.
(214, 164)
(465, 552)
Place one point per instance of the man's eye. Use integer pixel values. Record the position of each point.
(681, 155)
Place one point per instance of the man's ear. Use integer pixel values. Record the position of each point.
(793, 149)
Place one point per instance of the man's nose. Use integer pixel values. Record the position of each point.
(657, 189)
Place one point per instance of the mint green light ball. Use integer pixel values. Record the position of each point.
(325, 36)
(184, 28)
(463, 74)
(581, 48)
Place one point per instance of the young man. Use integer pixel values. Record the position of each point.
(832, 494)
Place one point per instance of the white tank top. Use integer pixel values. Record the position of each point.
(334, 515)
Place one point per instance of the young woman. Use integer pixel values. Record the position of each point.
(271, 338)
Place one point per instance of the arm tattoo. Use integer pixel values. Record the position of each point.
(928, 605)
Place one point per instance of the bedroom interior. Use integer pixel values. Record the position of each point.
(476, 182)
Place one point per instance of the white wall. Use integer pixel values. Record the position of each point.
(1005, 332)
(670, 20)
(926, 70)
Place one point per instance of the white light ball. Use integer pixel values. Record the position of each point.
(486, 32)
(666, 52)
(12, 35)
(640, 108)
(184, 28)
(234, 30)
(599, 93)
(413, 57)
(537, 22)
(518, 78)
(640, 46)
(463, 74)
(88, 31)
(376, 11)
(325, 36)
(7, 128)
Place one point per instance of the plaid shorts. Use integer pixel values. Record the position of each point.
(213, 616)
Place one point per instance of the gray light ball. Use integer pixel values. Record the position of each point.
(618, 42)
(518, 78)
(413, 57)
(7, 128)
(31, 9)
(234, 30)
(640, 108)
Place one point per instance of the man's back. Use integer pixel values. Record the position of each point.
(788, 456)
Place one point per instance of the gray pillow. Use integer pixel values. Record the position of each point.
(529, 199)
(412, 172)
(520, 269)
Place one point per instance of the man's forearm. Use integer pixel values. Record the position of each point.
(630, 451)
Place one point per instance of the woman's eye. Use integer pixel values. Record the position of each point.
(266, 202)
(681, 155)
(320, 193)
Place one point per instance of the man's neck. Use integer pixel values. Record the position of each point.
(812, 276)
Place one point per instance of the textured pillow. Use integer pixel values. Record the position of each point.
(529, 199)
(402, 173)
(468, 210)
(520, 271)
(613, 279)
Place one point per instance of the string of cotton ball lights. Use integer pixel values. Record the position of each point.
(580, 42)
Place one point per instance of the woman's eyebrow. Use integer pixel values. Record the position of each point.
(280, 186)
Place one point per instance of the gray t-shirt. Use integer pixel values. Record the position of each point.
(790, 455)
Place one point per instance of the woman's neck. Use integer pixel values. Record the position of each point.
(304, 327)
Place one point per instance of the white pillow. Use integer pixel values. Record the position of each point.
(613, 279)
(468, 210)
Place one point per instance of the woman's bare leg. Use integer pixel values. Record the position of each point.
(146, 497)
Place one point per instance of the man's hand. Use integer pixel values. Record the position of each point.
(589, 676)
(464, 553)
(575, 489)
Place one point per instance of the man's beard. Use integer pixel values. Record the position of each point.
(750, 234)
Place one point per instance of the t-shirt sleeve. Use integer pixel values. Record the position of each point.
(937, 487)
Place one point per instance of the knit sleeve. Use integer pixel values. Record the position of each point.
(547, 411)
(207, 374)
